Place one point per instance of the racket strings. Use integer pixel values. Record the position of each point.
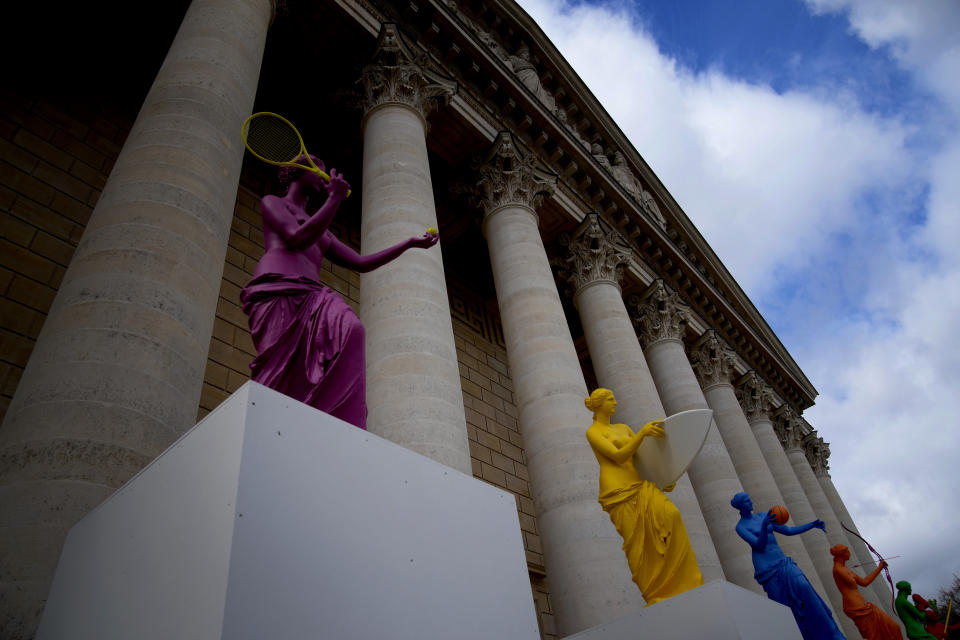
(273, 139)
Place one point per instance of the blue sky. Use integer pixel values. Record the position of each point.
(816, 145)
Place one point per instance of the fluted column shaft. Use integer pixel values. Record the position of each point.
(620, 366)
(712, 473)
(117, 370)
(413, 381)
(580, 550)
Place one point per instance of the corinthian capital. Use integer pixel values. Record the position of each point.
(510, 175)
(712, 360)
(790, 428)
(658, 314)
(596, 253)
(401, 74)
(818, 453)
(756, 397)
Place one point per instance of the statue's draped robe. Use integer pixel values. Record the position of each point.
(873, 623)
(784, 582)
(654, 539)
(310, 344)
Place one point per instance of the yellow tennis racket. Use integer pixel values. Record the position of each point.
(272, 138)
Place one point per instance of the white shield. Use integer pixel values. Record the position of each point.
(664, 460)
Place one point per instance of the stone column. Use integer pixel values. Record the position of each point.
(413, 381)
(792, 431)
(581, 549)
(758, 402)
(713, 362)
(661, 318)
(117, 370)
(597, 256)
(818, 453)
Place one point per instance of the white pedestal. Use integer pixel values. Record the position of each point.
(718, 610)
(270, 519)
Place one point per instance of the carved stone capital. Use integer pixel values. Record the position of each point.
(790, 428)
(596, 253)
(818, 453)
(756, 397)
(509, 175)
(659, 314)
(712, 360)
(401, 74)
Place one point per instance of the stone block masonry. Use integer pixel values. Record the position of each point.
(54, 161)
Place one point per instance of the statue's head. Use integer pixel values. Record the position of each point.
(742, 501)
(288, 175)
(840, 551)
(598, 399)
(903, 585)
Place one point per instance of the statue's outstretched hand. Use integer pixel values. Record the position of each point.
(427, 240)
(337, 187)
(653, 429)
(819, 524)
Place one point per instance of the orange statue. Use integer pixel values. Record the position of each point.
(871, 621)
(654, 539)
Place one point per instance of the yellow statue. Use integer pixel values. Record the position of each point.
(654, 539)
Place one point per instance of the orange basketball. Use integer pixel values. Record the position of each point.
(780, 513)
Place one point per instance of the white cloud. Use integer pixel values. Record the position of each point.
(807, 190)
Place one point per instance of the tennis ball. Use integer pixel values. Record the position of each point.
(433, 231)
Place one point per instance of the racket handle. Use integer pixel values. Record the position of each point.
(326, 176)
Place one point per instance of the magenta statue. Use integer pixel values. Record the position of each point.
(310, 343)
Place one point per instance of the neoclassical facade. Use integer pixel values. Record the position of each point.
(564, 264)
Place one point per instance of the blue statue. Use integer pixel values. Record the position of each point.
(780, 577)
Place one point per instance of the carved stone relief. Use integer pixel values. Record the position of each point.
(596, 252)
(399, 73)
(712, 360)
(756, 397)
(659, 314)
(510, 175)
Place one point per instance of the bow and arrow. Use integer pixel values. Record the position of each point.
(886, 568)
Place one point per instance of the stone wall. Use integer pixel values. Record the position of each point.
(54, 162)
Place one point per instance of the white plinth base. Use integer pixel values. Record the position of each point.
(718, 610)
(270, 519)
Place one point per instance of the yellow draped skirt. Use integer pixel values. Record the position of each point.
(658, 550)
